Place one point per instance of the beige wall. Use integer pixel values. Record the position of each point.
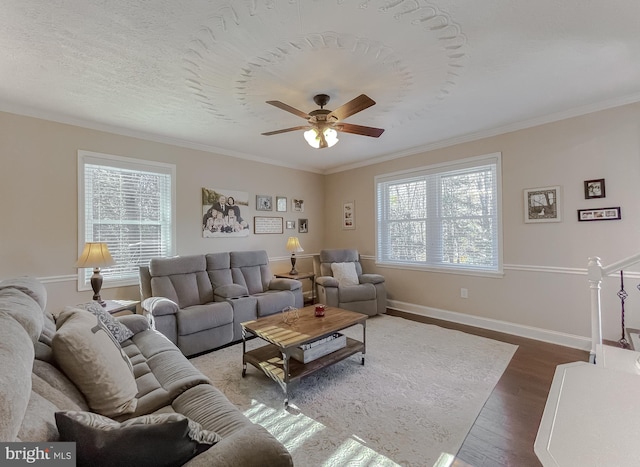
(38, 187)
(544, 284)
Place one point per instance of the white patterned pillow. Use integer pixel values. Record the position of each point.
(119, 330)
(345, 273)
(164, 439)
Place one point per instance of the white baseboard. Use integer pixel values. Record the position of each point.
(544, 335)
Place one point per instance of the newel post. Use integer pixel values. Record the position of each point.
(594, 273)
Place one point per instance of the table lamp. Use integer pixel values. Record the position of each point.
(95, 255)
(293, 245)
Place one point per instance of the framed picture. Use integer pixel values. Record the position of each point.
(291, 224)
(281, 204)
(543, 204)
(267, 225)
(264, 203)
(303, 225)
(348, 215)
(224, 213)
(594, 188)
(297, 205)
(602, 214)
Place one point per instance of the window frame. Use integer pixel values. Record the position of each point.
(442, 169)
(95, 158)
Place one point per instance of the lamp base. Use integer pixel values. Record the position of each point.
(293, 265)
(96, 285)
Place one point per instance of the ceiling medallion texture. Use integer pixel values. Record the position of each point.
(241, 56)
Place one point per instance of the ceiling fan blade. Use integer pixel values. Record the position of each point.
(288, 108)
(277, 132)
(359, 129)
(352, 107)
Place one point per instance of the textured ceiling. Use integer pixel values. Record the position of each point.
(197, 73)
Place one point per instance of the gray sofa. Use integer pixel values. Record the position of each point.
(366, 293)
(199, 301)
(33, 387)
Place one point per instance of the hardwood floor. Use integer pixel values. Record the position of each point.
(504, 432)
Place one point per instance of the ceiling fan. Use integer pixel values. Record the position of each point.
(324, 124)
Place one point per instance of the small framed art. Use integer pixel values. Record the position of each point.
(281, 204)
(543, 204)
(264, 203)
(349, 215)
(594, 188)
(291, 224)
(602, 214)
(303, 225)
(297, 205)
(267, 225)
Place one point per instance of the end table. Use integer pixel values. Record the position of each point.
(302, 275)
(121, 307)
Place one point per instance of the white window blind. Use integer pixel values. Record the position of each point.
(445, 216)
(128, 204)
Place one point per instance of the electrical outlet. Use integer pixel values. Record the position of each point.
(464, 293)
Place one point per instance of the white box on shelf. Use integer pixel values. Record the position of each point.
(314, 350)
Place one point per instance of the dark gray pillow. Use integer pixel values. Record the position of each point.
(119, 330)
(155, 440)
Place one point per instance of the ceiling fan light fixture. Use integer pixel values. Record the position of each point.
(313, 137)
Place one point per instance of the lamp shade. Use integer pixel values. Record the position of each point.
(293, 245)
(95, 255)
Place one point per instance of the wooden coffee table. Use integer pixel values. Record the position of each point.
(274, 359)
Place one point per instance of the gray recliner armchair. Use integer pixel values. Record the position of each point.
(341, 283)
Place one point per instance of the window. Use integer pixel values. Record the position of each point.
(444, 217)
(129, 204)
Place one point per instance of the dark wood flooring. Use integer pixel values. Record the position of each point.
(504, 432)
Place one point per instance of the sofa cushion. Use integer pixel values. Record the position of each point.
(219, 269)
(117, 329)
(29, 286)
(201, 317)
(345, 273)
(182, 279)
(24, 310)
(87, 353)
(166, 439)
(357, 293)
(161, 371)
(274, 302)
(16, 358)
(251, 269)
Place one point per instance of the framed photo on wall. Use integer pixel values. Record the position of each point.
(594, 189)
(297, 205)
(348, 215)
(281, 204)
(264, 203)
(543, 204)
(291, 224)
(303, 225)
(602, 214)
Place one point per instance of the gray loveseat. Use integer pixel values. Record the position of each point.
(33, 387)
(199, 301)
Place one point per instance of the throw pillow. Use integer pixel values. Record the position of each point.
(345, 273)
(157, 440)
(119, 330)
(87, 353)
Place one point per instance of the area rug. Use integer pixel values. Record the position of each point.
(413, 401)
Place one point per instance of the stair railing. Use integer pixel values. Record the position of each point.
(595, 273)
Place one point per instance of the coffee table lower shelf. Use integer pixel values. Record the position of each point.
(271, 360)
